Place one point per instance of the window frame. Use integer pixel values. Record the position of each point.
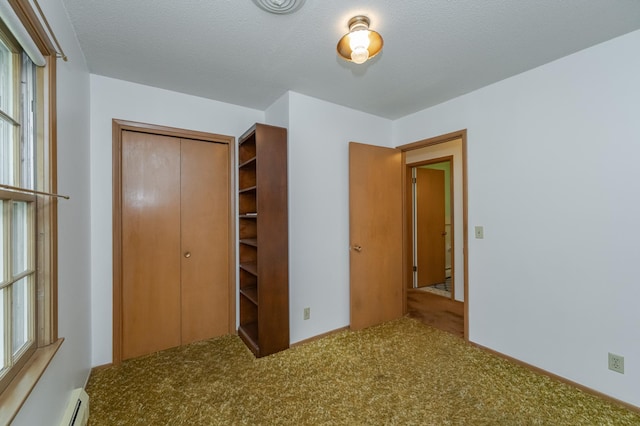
(26, 352)
(47, 341)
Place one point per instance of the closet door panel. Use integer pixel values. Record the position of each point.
(205, 240)
(150, 243)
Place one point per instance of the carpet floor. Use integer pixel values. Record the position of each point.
(401, 372)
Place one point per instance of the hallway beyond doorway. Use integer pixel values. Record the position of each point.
(436, 311)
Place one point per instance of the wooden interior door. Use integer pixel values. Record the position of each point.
(375, 230)
(150, 243)
(175, 211)
(430, 226)
(205, 238)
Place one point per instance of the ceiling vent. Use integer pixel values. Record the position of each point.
(279, 6)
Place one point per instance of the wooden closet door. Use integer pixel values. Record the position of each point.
(205, 240)
(150, 243)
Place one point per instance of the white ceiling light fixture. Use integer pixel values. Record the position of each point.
(360, 43)
(280, 7)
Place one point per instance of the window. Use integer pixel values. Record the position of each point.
(17, 210)
(28, 305)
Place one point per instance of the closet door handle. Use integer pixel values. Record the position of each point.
(357, 248)
(187, 254)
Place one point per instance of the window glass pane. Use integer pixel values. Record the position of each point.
(19, 243)
(2, 254)
(6, 104)
(3, 363)
(6, 79)
(28, 125)
(6, 152)
(20, 314)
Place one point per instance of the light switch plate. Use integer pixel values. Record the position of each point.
(479, 230)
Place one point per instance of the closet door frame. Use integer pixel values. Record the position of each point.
(118, 126)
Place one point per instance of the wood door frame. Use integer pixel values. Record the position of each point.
(408, 199)
(424, 143)
(118, 126)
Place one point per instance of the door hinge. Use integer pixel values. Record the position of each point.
(413, 180)
(415, 268)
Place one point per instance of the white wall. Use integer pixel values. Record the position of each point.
(278, 112)
(111, 99)
(553, 178)
(319, 136)
(69, 368)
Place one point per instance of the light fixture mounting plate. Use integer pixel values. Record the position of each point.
(358, 21)
(280, 7)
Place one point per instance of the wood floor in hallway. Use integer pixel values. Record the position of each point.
(437, 311)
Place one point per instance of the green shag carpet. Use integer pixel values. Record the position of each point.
(401, 372)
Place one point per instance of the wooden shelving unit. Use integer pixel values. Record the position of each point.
(263, 239)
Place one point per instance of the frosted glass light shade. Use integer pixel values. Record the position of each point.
(359, 44)
(359, 55)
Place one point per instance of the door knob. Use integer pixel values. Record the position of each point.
(187, 254)
(357, 248)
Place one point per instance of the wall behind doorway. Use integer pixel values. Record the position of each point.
(445, 166)
(453, 148)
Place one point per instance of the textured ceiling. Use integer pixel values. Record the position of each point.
(435, 50)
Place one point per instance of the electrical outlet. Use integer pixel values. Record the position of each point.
(307, 313)
(616, 363)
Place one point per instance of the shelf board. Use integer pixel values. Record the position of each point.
(251, 293)
(247, 189)
(247, 163)
(249, 334)
(250, 267)
(253, 242)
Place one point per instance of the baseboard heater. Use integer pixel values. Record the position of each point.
(77, 412)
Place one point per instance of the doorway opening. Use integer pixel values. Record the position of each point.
(450, 313)
(432, 230)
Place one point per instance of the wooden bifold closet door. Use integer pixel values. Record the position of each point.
(175, 241)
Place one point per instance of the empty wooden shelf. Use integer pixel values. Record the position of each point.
(263, 239)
